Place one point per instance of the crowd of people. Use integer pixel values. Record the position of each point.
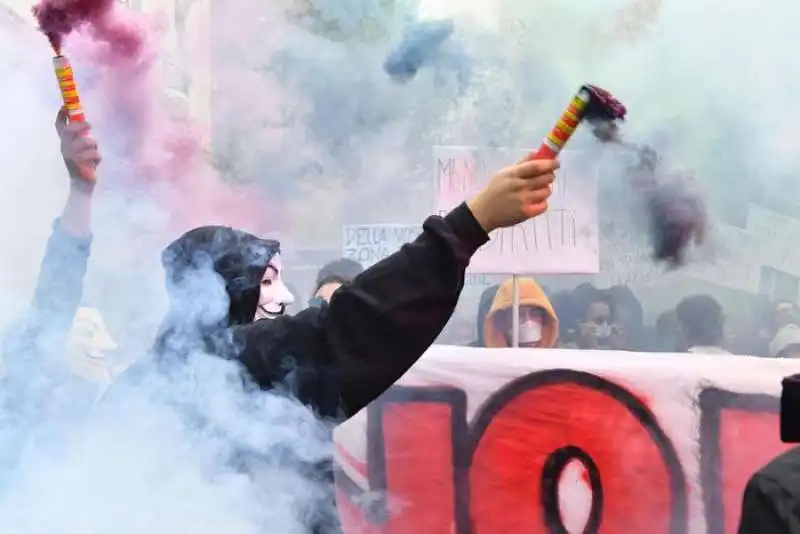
(588, 317)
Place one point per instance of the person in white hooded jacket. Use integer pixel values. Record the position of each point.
(54, 358)
(56, 337)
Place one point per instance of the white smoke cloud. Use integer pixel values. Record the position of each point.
(301, 97)
(137, 467)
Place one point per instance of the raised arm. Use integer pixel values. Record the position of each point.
(60, 283)
(376, 328)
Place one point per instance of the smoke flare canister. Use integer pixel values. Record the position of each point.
(592, 104)
(566, 125)
(589, 103)
(69, 95)
(68, 88)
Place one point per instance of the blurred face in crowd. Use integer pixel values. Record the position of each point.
(88, 344)
(597, 330)
(89, 335)
(599, 315)
(531, 324)
(274, 296)
(325, 291)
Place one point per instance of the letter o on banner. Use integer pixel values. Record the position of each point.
(553, 468)
(527, 432)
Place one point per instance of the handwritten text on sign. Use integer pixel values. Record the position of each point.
(370, 243)
(563, 240)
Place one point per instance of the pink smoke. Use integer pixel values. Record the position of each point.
(165, 155)
(59, 18)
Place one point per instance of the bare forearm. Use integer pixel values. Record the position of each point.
(76, 218)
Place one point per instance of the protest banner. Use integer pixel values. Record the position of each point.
(370, 243)
(562, 241)
(526, 441)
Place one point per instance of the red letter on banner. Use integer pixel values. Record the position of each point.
(413, 439)
(528, 430)
(739, 434)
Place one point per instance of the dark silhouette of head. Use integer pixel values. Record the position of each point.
(701, 321)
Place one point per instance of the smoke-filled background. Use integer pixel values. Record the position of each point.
(698, 91)
(298, 130)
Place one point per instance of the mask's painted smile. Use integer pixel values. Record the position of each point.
(265, 312)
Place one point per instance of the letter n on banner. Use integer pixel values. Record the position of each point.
(421, 431)
(739, 434)
(527, 433)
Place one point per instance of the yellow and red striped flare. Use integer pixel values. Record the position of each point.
(68, 88)
(558, 136)
(72, 101)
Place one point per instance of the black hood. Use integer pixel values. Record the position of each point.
(198, 265)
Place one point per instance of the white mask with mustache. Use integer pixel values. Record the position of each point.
(274, 296)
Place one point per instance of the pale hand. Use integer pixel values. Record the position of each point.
(514, 194)
(78, 148)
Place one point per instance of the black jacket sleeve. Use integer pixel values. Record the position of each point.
(768, 506)
(375, 328)
(771, 501)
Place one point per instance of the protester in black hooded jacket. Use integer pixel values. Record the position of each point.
(36, 386)
(338, 357)
(35, 347)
